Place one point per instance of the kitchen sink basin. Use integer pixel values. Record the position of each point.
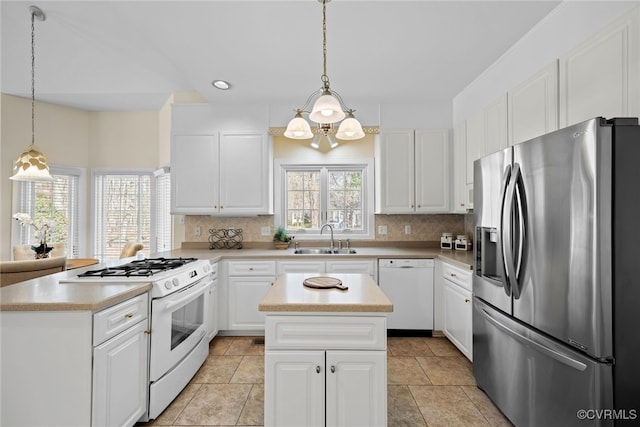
(323, 251)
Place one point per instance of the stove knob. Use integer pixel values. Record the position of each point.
(176, 282)
(167, 284)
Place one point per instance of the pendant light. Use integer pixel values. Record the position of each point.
(327, 109)
(31, 164)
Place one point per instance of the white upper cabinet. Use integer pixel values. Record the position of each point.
(459, 169)
(245, 173)
(432, 170)
(194, 174)
(533, 105)
(601, 77)
(475, 142)
(413, 171)
(216, 172)
(395, 171)
(495, 130)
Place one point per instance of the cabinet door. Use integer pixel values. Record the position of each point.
(458, 317)
(245, 293)
(395, 155)
(194, 174)
(475, 142)
(356, 388)
(533, 105)
(245, 173)
(120, 380)
(294, 388)
(432, 170)
(602, 76)
(459, 165)
(495, 127)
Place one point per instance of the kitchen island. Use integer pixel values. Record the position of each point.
(325, 352)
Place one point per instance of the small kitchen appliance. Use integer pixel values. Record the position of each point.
(179, 319)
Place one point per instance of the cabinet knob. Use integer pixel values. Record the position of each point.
(250, 268)
(333, 369)
(453, 274)
(148, 332)
(467, 300)
(128, 315)
(462, 205)
(221, 206)
(318, 369)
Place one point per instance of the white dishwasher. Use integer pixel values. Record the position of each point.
(409, 285)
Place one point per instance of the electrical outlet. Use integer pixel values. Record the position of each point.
(382, 230)
(265, 231)
(407, 229)
(197, 231)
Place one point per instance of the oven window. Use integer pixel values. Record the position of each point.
(185, 320)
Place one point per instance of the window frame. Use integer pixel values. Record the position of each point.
(120, 171)
(81, 202)
(282, 166)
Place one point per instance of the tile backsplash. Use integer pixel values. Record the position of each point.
(420, 227)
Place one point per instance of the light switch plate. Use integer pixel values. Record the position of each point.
(407, 229)
(382, 230)
(265, 231)
(197, 231)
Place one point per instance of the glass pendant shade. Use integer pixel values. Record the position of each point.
(298, 128)
(326, 109)
(31, 165)
(350, 129)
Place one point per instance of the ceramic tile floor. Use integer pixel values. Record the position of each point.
(430, 383)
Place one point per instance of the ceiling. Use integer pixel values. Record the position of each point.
(131, 55)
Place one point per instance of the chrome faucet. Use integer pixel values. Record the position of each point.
(330, 228)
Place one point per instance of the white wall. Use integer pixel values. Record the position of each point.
(565, 27)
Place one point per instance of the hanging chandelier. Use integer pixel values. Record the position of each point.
(31, 164)
(327, 109)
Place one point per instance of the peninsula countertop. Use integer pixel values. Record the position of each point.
(288, 294)
(46, 293)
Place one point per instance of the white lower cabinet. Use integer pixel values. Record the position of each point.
(328, 265)
(457, 301)
(247, 282)
(304, 387)
(75, 367)
(325, 371)
(120, 378)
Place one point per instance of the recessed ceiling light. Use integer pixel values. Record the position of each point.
(221, 84)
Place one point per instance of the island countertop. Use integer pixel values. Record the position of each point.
(288, 294)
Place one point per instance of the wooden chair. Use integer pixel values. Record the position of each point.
(130, 249)
(18, 271)
(24, 252)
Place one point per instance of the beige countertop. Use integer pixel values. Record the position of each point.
(463, 259)
(48, 294)
(288, 294)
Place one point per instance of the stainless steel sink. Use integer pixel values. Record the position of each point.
(323, 251)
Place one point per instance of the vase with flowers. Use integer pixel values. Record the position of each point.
(42, 231)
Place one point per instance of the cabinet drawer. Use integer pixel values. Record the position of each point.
(113, 320)
(326, 332)
(251, 268)
(457, 275)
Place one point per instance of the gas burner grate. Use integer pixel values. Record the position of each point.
(139, 268)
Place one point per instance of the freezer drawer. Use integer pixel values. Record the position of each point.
(532, 379)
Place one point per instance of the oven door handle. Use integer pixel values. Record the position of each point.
(191, 296)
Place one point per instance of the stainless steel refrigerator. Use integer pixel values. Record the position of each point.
(556, 284)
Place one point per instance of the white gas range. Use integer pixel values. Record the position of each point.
(179, 319)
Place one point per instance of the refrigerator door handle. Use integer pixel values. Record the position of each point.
(507, 233)
(521, 221)
(575, 364)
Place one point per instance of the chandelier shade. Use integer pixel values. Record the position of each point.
(298, 128)
(350, 129)
(31, 164)
(327, 109)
